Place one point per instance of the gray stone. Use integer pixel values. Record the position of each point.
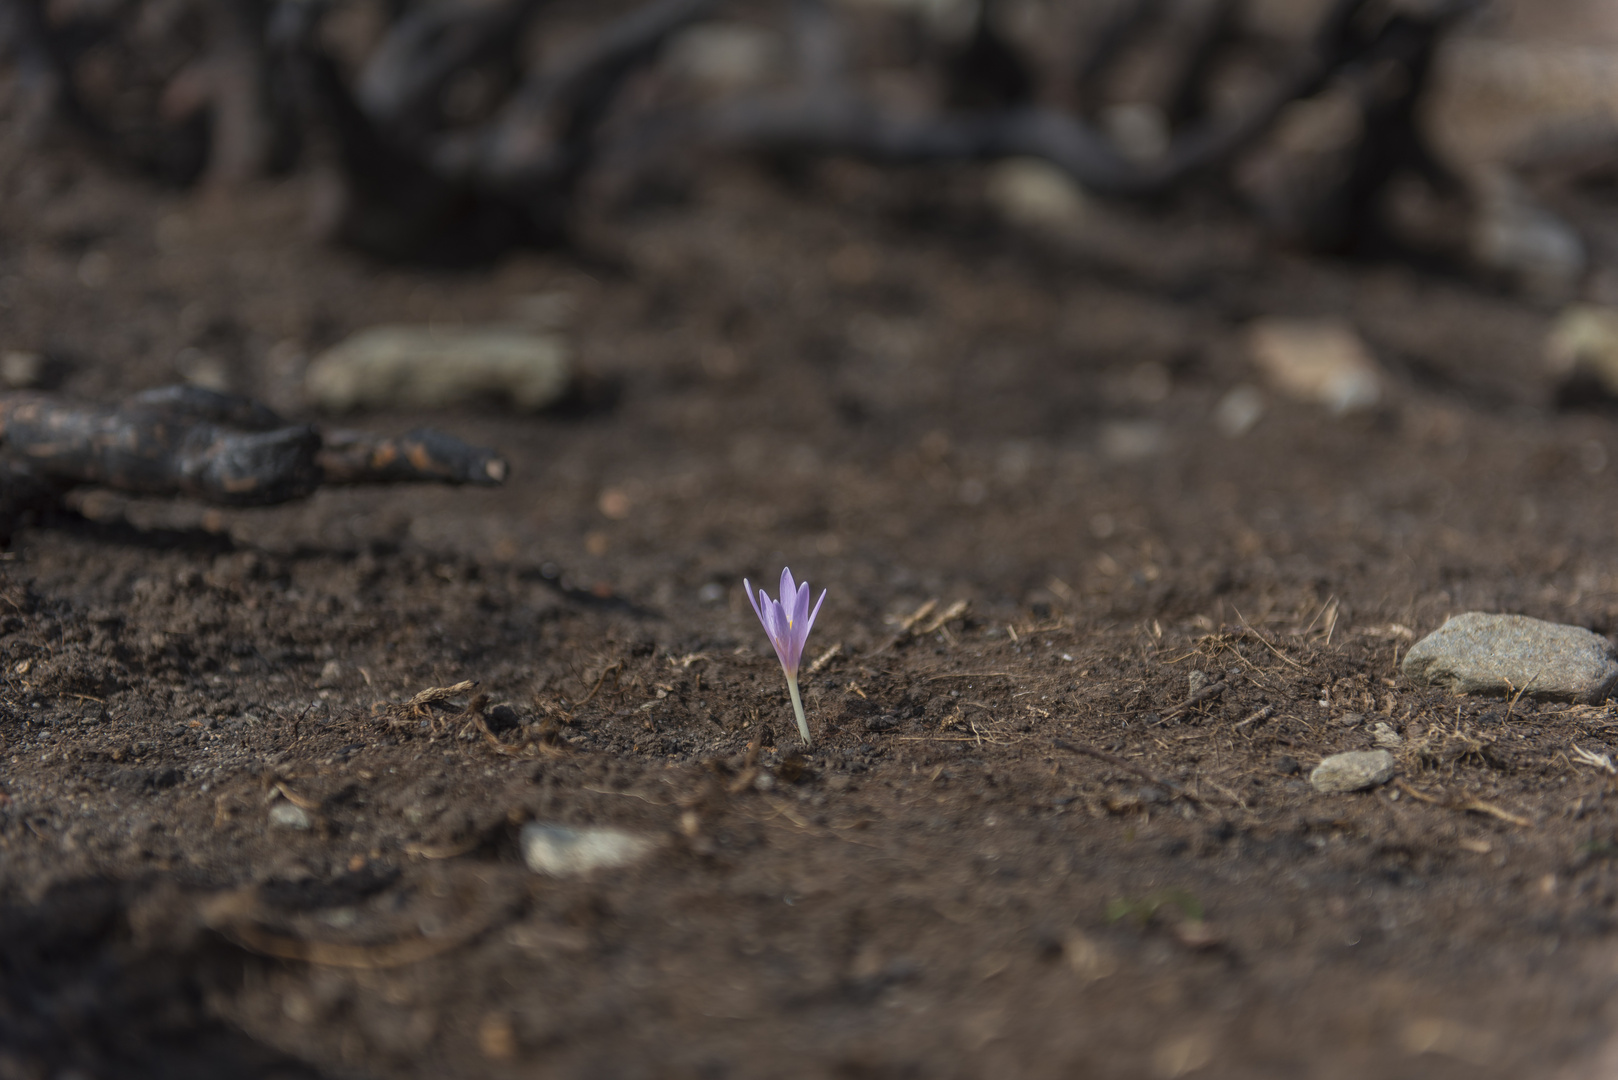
(1354, 771)
(286, 816)
(564, 851)
(1477, 653)
(426, 367)
(1384, 735)
(1514, 234)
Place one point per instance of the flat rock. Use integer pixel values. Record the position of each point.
(1354, 771)
(405, 367)
(286, 816)
(566, 851)
(1476, 653)
(1319, 361)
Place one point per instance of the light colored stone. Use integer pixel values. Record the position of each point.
(1583, 341)
(1239, 410)
(1384, 735)
(1477, 653)
(331, 673)
(21, 369)
(406, 367)
(284, 815)
(1320, 361)
(1035, 194)
(565, 851)
(1353, 771)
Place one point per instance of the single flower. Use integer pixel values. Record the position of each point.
(787, 622)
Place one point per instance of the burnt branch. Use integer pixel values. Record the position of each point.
(217, 448)
(355, 457)
(844, 122)
(416, 183)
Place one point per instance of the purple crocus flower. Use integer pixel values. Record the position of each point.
(787, 622)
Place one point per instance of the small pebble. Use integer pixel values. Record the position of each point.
(1477, 653)
(1385, 736)
(885, 722)
(1353, 771)
(1514, 234)
(564, 851)
(1239, 410)
(1035, 194)
(286, 816)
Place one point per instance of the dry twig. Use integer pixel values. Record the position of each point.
(1465, 803)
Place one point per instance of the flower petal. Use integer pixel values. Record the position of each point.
(748, 590)
(787, 588)
(810, 621)
(780, 633)
(800, 621)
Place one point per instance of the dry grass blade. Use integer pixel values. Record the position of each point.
(434, 694)
(1205, 693)
(1256, 718)
(611, 669)
(303, 802)
(547, 746)
(825, 658)
(1465, 803)
(443, 851)
(233, 917)
(954, 611)
(1594, 760)
(421, 706)
(908, 626)
(1283, 657)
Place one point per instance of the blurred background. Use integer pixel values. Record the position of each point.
(1054, 292)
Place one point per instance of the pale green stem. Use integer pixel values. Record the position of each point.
(797, 707)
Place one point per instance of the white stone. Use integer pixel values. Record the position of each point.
(565, 851)
(1353, 771)
(287, 816)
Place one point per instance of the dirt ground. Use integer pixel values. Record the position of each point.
(1014, 851)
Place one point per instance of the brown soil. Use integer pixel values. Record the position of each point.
(1013, 852)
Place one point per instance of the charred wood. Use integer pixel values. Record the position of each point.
(218, 448)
